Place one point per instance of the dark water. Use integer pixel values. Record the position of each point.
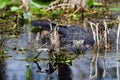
(14, 68)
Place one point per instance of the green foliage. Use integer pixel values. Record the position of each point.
(36, 29)
(74, 16)
(35, 9)
(44, 13)
(62, 58)
(90, 3)
(43, 2)
(27, 16)
(16, 9)
(97, 4)
(1, 52)
(3, 3)
(57, 12)
(27, 72)
(115, 9)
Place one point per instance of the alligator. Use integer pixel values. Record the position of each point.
(73, 37)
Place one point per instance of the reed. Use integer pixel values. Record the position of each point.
(94, 60)
(117, 63)
(54, 37)
(27, 72)
(98, 38)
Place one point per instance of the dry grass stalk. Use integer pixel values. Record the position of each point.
(117, 63)
(71, 4)
(106, 32)
(95, 56)
(95, 33)
(54, 37)
(25, 4)
(91, 66)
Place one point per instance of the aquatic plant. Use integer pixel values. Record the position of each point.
(27, 72)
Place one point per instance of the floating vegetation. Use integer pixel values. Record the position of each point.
(5, 56)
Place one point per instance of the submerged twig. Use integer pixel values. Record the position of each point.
(104, 63)
(106, 32)
(91, 67)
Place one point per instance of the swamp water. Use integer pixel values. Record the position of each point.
(82, 68)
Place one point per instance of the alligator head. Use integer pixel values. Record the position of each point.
(72, 37)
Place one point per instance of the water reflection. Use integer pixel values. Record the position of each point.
(64, 72)
(51, 68)
(15, 68)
